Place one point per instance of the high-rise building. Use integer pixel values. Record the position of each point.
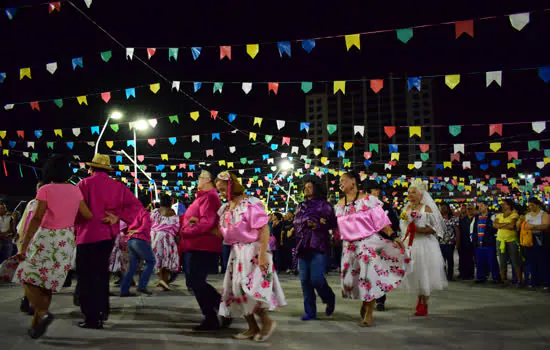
(394, 105)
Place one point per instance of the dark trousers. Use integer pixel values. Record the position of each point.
(486, 261)
(466, 261)
(200, 263)
(312, 276)
(185, 261)
(92, 265)
(6, 248)
(448, 252)
(226, 251)
(538, 265)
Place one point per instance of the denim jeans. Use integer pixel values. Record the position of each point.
(225, 256)
(486, 260)
(312, 276)
(448, 251)
(139, 249)
(6, 248)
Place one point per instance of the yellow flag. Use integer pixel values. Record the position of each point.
(511, 165)
(3, 134)
(230, 165)
(270, 189)
(448, 165)
(155, 87)
(121, 167)
(348, 145)
(109, 144)
(452, 80)
(406, 184)
(495, 146)
(164, 157)
(260, 183)
(317, 151)
(195, 115)
(324, 160)
(468, 188)
(82, 100)
(164, 182)
(25, 72)
(341, 173)
(410, 166)
(340, 85)
(252, 50)
(258, 120)
(58, 132)
(395, 156)
(221, 162)
(415, 130)
(173, 167)
(546, 160)
(353, 40)
(252, 136)
(6, 152)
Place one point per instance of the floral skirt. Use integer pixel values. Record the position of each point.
(120, 255)
(428, 273)
(8, 267)
(246, 288)
(166, 251)
(48, 259)
(371, 267)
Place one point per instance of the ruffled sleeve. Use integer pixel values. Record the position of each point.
(257, 217)
(435, 224)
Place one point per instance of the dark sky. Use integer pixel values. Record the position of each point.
(34, 38)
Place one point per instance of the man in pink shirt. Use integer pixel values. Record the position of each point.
(203, 244)
(95, 238)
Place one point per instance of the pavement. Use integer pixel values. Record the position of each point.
(465, 316)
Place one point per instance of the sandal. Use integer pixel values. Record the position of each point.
(263, 338)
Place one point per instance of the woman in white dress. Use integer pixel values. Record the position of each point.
(423, 223)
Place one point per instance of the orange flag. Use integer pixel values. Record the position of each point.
(389, 130)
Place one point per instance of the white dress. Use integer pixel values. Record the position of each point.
(428, 268)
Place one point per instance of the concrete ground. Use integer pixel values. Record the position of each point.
(466, 316)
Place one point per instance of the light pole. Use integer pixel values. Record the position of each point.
(113, 115)
(139, 125)
(283, 165)
(122, 152)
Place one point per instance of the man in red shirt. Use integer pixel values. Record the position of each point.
(203, 244)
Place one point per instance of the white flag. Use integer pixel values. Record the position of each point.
(270, 161)
(280, 124)
(51, 67)
(76, 132)
(91, 144)
(359, 129)
(540, 165)
(26, 154)
(519, 20)
(306, 143)
(495, 76)
(196, 138)
(232, 149)
(241, 171)
(176, 85)
(247, 87)
(539, 127)
(284, 155)
(387, 167)
(467, 165)
(294, 149)
(88, 3)
(129, 53)
(9, 106)
(459, 148)
(30, 145)
(418, 164)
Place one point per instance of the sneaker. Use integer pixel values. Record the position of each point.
(330, 309)
(91, 325)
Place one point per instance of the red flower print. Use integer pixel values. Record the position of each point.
(368, 285)
(55, 284)
(43, 270)
(365, 258)
(245, 299)
(238, 300)
(44, 278)
(62, 243)
(257, 295)
(67, 268)
(240, 268)
(56, 266)
(407, 260)
(19, 274)
(265, 284)
(352, 247)
(41, 247)
(346, 266)
(30, 280)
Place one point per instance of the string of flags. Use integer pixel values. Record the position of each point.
(52, 6)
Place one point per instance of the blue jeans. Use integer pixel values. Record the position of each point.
(142, 250)
(6, 248)
(225, 256)
(312, 276)
(486, 260)
(538, 266)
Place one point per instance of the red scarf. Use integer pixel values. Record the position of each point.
(411, 231)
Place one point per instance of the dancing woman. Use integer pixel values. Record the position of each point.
(374, 259)
(423, 224)
(251, 286)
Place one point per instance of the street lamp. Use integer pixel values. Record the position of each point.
(283, 165)
(113, 115)
(138, 125)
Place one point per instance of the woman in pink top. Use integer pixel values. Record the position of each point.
(372, 264)
(48, 244)
(251, 286)
(166, 224)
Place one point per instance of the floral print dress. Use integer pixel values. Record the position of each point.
(246, 288)
(120, 255)
(163, 241)
(371, 264)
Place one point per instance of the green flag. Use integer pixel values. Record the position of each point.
(533, 145)
(404, 34)
(306, 86)
(50, 145)
(268, 138)
(424, 156)
(455, 129)
(174, 118)
(373, 147)
(218, 87)
(243, 160)
(331, 128)
(106, 55)
(173, 53)
(114, 127)
(187, 155)
(58, 102)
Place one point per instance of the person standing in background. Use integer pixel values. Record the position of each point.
(7, 230)
(288, 244)
(447, 242)
(465, 246)
(484, 240)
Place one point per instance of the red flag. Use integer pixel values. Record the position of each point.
(106, 96)
(425, 147)
(225, 51)
(35, 106)
(21, 133)
(183, 166)
(367, 155)
(512, 155)
(455, 157)
(54, 6)
(389, 130)
(190, 174)
(495, 128)
(151, 52)
(273, 87)
(376, 85)
(286, 140)
(464, 27)
(214, 114)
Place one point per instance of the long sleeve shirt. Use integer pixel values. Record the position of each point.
(318, 239)
(101, 194)
(199, 236)
(142, 223)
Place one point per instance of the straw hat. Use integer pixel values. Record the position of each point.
(101, 161)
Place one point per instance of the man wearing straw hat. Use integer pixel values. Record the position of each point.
(94, 238)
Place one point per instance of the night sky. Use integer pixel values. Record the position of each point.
(34, 38)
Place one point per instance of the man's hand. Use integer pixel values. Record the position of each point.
(323, 221)
(131, 232)
(311, 225)
(110, 219)
(193, 221)
(216, 232)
